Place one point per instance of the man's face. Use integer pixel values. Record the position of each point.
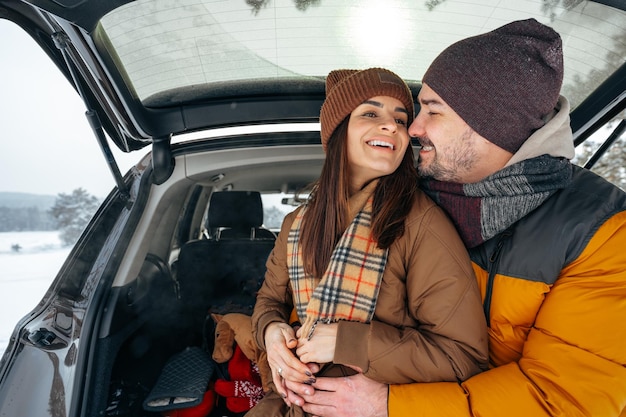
(451, 149)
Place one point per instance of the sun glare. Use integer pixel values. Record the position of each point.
(380, 32)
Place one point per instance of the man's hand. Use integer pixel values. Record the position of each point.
(353, 396)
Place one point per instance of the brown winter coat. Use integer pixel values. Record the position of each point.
(428, 323)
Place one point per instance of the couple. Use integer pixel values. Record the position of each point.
(545, 240)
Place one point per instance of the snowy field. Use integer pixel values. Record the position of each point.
(26, 274)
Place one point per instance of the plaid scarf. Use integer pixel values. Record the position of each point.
(349, 288)
(483, 209)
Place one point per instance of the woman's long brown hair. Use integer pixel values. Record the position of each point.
(326, 217)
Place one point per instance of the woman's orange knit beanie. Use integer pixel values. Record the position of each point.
(347, 88)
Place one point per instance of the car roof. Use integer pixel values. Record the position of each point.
(153, 69)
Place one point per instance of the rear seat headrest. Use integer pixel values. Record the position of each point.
(235, 209)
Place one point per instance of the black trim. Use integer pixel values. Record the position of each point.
(588, 116)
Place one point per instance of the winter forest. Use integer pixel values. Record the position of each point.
(69, 214)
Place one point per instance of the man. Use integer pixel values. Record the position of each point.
(546, 240)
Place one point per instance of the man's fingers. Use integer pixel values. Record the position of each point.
(320, 403)
(293, 398)
(319, 410)
(296, 391)
(299, 389)
(326, 384)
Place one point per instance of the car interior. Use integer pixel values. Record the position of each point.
(205, 252)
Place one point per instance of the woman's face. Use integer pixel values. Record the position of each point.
(377, 139)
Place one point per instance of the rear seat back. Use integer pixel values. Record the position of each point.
(223, 274)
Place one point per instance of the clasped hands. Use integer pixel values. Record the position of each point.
(295, 359)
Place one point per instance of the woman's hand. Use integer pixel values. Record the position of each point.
(320, 348)
(280, 341)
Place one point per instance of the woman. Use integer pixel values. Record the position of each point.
(372, 269)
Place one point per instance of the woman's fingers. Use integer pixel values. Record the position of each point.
(290, 338)
(280, 344)
(320, 347)
(279, 382)
(290, 368)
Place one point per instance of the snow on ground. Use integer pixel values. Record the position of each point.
(26, 274)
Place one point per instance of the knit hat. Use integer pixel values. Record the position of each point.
(502, 83)
(346, 89)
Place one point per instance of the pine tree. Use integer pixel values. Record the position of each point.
(72, 213)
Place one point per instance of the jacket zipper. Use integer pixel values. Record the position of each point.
(494, 262)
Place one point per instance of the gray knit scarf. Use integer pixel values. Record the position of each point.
(483, 209)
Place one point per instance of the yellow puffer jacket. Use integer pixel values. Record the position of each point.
(557, 315)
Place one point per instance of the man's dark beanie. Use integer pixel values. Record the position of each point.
(502, 83)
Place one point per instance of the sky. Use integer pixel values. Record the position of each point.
(47, 146)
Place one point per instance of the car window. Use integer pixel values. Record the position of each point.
(274, 210)
(277, 206)
(611, 164)
(166, 47)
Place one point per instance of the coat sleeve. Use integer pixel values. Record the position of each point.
(573, 362)
(274, 301)
(448, 338)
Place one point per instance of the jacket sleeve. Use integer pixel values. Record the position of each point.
(447, 340)
(274, 301)
(573, 362)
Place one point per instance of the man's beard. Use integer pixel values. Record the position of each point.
(459, 161)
